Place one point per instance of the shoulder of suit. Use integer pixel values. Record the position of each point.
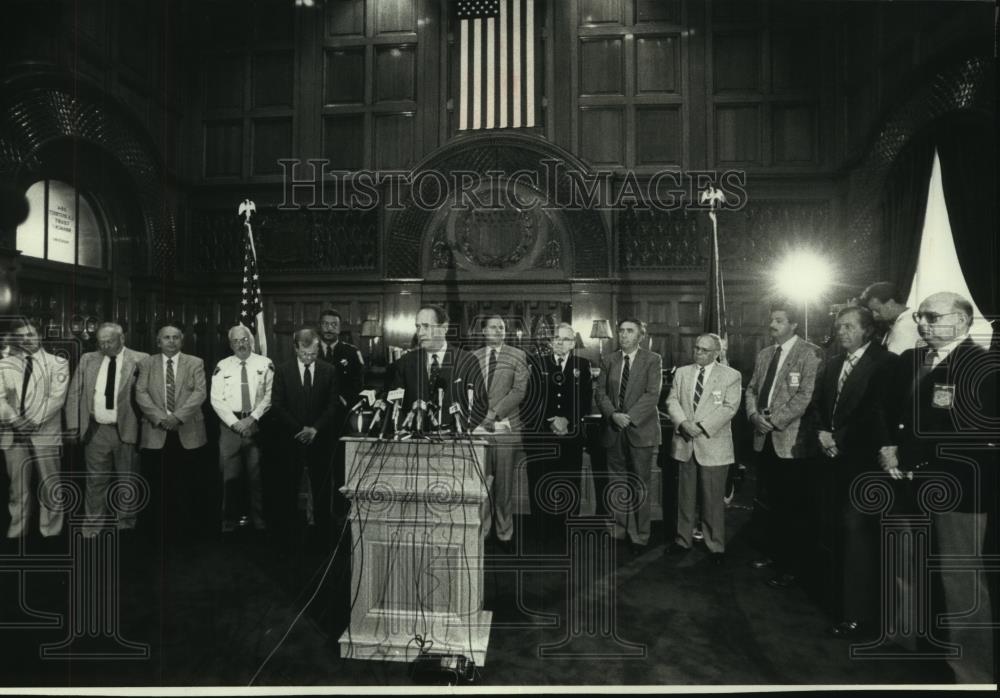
(134, 353)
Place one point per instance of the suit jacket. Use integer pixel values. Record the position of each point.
(955, 406)
(189, 394)
(350, 371)
(80, 397)
(859, 422)
(459, 369)
(793, 390)
(569, 394)
(292, 408)
(641, 398)
(720, 399)
(510, 383)
(44, 400)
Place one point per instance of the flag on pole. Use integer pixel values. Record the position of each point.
(715, 305)
(251, 302)
(497, 79)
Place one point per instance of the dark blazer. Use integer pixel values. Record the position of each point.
(459, 369)
(292, 409)
(641, 398)
(859, 424)
(952, 408)
(569, 394)
(350, 370)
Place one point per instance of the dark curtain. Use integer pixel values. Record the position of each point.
(966, 146)
(902, 207)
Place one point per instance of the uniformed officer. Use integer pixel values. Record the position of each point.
(241, 395)
(568, 399)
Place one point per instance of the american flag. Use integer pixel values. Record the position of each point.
(497, 64)
(251, 304)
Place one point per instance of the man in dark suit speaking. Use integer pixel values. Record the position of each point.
(437, 366)
(305, 403)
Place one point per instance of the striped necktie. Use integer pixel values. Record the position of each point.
(246, 405)
(170, 385)
(624, 386)
(699, 387)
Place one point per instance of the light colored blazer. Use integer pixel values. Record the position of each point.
(510, 384)
(190, 393)
(720, 399)
(44, 401)
(641, 397)
(80, 398)
(793, 389)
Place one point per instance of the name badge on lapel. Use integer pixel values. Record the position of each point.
(794, 379)
(944, 396)
(717, 397)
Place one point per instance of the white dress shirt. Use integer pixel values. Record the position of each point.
(177, 359)
(708, 372)
(786, 348)
(102, 415)
(942, 353)
(302, 372)
(439, 353)
(903, 334)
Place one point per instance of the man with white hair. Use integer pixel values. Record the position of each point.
(241, 395)
(944, 430)
(102, 412)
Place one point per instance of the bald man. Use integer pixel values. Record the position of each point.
(945, 400)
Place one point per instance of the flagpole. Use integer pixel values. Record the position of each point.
(248, 208)
(716, 292)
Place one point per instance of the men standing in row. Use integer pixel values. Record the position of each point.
(241, 396)
(436, 366)
(305, 402)
(628, 392)
(704, 398)
(568, 398)
(776, 399)
(33, 387)
(506, 372)
(170, 391)
(882, 299)
(101, 411)
(945, 416)
(848, 410)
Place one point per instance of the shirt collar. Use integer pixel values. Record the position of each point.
(787, 346)
(708, 368)
(631, 357)
(440, 353)
(302, 366)
(176, 357)
(858, 353)
(942, 353)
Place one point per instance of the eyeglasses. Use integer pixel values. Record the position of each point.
(703, 350)
(931, 318)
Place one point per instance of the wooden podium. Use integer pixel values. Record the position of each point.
(419, 519)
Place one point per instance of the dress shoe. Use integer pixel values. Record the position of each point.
(845, 629)
(782, 581)
(697, 534)
(717, 559)
(761, 563)
(677, 549)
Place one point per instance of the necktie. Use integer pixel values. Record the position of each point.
(307, 382)
(29, 366)
(492, 369)
(109, 385)
(845, 371)
(765, 389)
(245, 389)
(699, 387)
(928, 364)
(559, 362)
(435, 372)
(170, 385)
(624, 387)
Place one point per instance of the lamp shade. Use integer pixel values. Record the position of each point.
(370, 328)
(601, 329)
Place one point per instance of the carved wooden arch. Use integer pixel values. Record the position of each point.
(508, 153)
(966, 84)
(45, 112)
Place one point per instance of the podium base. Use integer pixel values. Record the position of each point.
(381, 639)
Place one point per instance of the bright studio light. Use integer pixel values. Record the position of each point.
(803, 277)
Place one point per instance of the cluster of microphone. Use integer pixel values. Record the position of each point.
(392, 420)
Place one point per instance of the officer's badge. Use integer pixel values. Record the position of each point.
(717, 397)
(794, 379)
(343, 362)
(576, 373)
(944, 396)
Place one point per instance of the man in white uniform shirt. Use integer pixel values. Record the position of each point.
(902, 333)
(102, 412)
(241, 395)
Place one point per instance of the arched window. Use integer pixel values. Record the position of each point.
(63, 225)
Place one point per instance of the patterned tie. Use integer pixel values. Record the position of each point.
(765, 389)
(245, 389)
(109, 385)
(491, 371)
(624, 386)
(170, 385)
(29, 367)
(435, 372)
(845, 371)
(699, 386)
